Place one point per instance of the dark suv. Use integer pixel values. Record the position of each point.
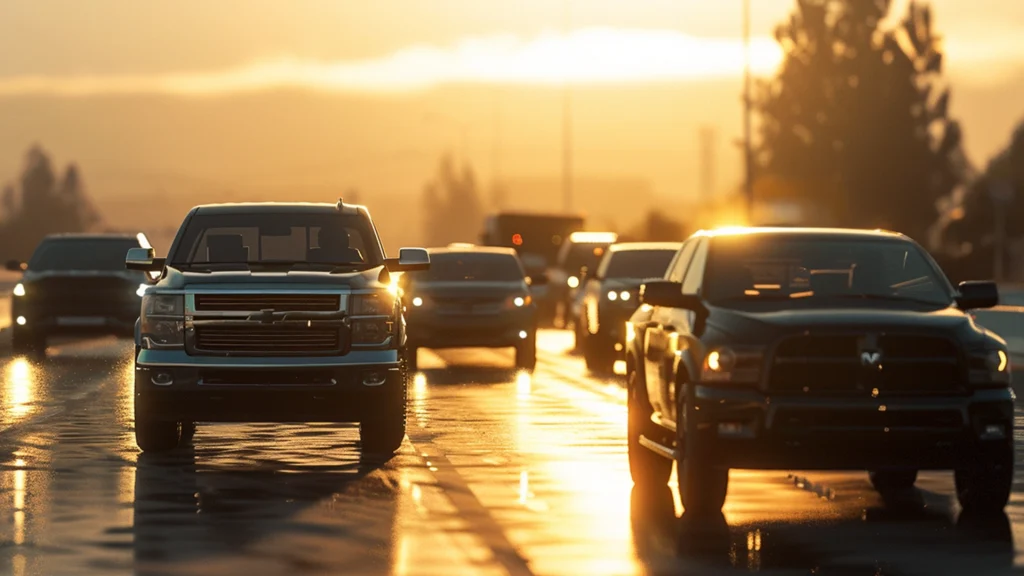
(816, 349)
(610, 297)
(472, 297)
(272, 313)
(76, 284)
(580, 253)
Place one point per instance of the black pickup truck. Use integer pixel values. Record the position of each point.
(816, 349)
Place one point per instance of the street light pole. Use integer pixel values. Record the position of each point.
(747, 113)
(566, 121)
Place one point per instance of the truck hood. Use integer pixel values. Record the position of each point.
(951, 322)
(464, 289)
(246, 279)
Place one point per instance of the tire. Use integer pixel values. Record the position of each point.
(526, 353)
(26, 342)
(892, 481)
(155, 435)
(382, 433)
(648, 470)
(188, 432)
(702, 485)
(984, 484)
(599, 354)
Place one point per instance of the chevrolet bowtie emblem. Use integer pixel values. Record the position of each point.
(870, 358)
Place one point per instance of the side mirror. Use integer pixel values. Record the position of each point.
(668, 294)
(143, 259)
(16, 266)
(977, 294)
(409, 260)
(538, 279)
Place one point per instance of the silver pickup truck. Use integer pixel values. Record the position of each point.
(272, 313)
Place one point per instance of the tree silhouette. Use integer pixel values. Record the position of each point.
(855, 125)
(46, 207)
(452, 208)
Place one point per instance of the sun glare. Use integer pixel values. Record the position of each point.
(584, 56)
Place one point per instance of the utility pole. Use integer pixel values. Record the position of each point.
(566, 122)
(706, 162)
(747, 113)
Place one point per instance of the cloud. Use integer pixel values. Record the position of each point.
(592, 55)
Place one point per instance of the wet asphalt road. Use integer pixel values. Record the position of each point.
(502, 474)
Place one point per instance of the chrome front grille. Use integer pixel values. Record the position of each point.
(279, 339)
(906, 364)
(297, 302)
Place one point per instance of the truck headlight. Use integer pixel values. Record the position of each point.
(377, 304)
(518, 301)
(725, 364)
(998, 364)
(370, 330)
(162, 322)
(19, 289)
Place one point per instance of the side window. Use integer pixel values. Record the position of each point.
(695, 275)
(678, 267)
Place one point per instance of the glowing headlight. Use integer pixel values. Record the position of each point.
(519, 301)
(998, 366)
(19, 289)
(573, 282)
(728, 365)
(613, 296)
(624, 295)
(417, 301)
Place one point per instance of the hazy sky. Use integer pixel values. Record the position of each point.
(198, 45)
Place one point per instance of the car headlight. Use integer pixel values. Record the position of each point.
(371, 330)
(376, 304)
(727, 364)
(613, 295)
(19, 289)
(417, 301)
(573, 282)
(518, 301)
(163, 321)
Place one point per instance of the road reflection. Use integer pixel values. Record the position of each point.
(19, 390)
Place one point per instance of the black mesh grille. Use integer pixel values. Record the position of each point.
(257, 302)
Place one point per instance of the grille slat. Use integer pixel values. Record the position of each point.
(268, 339)
(257, 302)
(831, 364)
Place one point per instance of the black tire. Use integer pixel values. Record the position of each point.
(648, 470)
(188, 432)
(892, 481)
(702, 485)
(599, 354)
(26, 342)
(983, 486)
(155, 435)
(382, 432)
(526, 353)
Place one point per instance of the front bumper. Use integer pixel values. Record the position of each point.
(430, 330)
(747, 429)
(251, 389)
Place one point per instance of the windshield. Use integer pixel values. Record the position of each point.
(300, 239)
(761, 268)
(465, 266)
(583, 254)
(639, 264)
(105, 254)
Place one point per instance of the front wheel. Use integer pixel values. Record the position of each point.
(984, 484)
(599, 355)
(702, 484)
(648, 470)
(155, 435)
(526, 353)
(382, 432)
(892, 481)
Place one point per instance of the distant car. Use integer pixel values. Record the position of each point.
(582, 251)
(472, 297)
(816, 349)
(610, 297)
(535, 266)
(76, 284)
(272, 312)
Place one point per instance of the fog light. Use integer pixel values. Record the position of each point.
(993, 432)
(162, 379)
(523, 334)
(21, 321)
(374, 379)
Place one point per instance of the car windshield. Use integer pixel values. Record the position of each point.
(105, 254)
(466, 266)
(639, 264)
(759, 267)
(298, 239)
(583, 255)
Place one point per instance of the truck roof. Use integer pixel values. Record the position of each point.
(272, 208)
